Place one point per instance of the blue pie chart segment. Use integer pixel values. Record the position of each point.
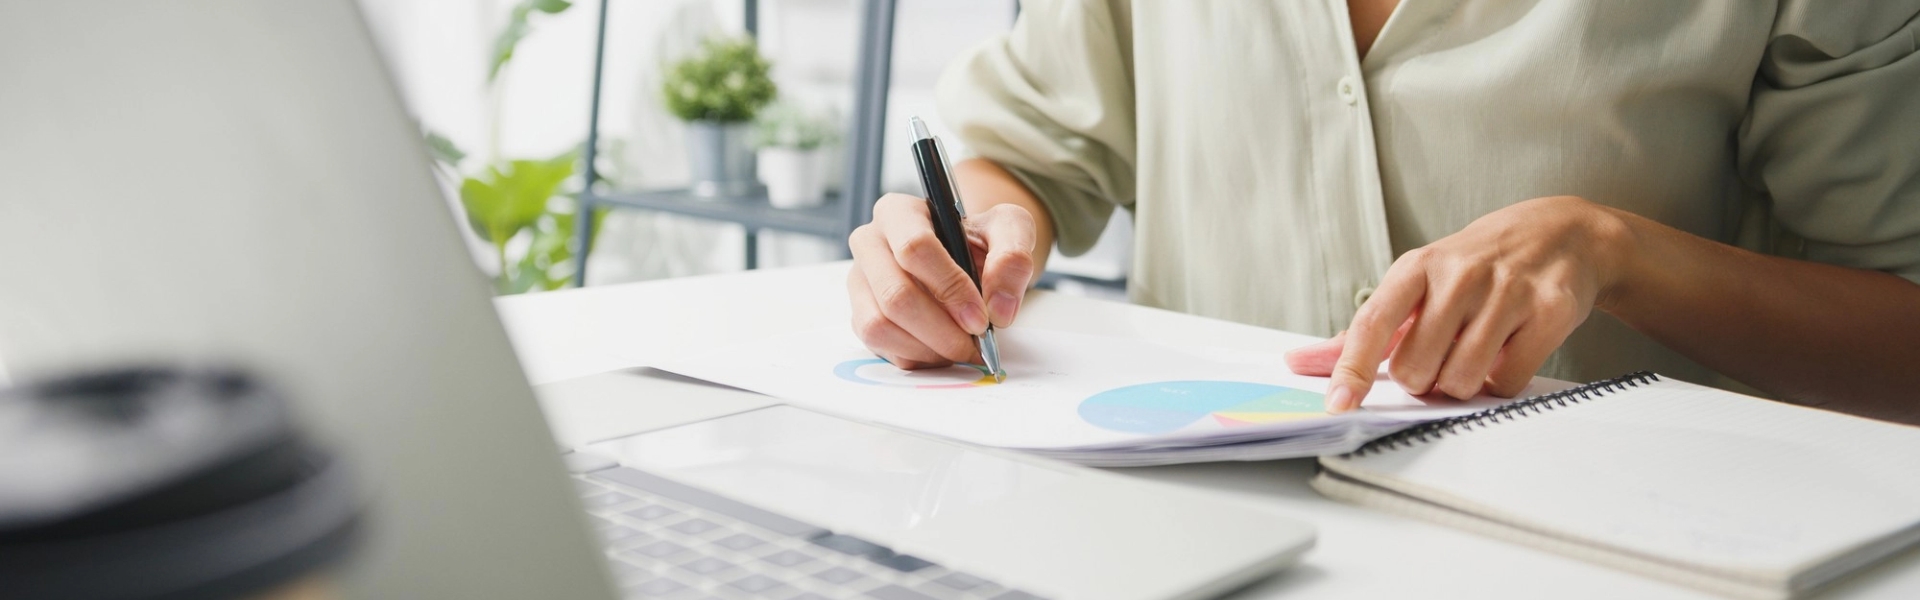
(1167, 406)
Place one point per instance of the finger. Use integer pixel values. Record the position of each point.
(1317, 359)
(1008, 265)
(904, 223)
(904, 302)
(1465, 372)
(885, 339)
(1373, 326)
(1521, 358)
(1545, 329)
(1416, 363)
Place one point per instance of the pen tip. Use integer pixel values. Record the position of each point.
(1000, 377)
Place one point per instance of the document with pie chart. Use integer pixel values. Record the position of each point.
(1087, 398)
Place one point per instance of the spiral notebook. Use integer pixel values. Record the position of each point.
(1733, 494)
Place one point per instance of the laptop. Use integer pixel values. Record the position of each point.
(236, 181)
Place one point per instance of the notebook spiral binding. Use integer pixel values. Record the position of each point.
(1433, 430)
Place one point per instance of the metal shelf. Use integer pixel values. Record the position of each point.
(828, 220)
(832, 221)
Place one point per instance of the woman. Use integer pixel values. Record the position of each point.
(1475, 189)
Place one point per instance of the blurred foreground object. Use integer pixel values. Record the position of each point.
(164, 483)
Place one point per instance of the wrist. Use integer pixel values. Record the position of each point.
(1618, 238)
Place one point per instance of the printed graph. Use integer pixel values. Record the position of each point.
(1167, 406)
(873, 371)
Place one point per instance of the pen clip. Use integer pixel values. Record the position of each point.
(953, 185)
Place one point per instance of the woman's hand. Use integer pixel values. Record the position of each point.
(1480, 309)
(912, 305)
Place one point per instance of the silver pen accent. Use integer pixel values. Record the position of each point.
(990, 354)
(917, 129)
(937, 176)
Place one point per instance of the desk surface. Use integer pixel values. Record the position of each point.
(1361, 553)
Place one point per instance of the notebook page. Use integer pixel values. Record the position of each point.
(1679, 471)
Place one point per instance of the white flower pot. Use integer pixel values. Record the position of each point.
(793, 176)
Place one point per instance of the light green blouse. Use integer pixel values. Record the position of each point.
(1273, 175)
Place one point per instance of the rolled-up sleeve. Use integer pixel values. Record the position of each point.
(1052, 102)
(1832, 134)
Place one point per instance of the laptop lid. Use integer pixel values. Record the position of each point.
(230, 180)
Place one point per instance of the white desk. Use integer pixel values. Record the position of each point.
(1361, 553)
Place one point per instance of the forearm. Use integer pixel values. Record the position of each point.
(1810, 333)
(983, 185)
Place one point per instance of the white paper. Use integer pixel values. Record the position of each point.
(1072, 395)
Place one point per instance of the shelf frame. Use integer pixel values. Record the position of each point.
(834, 221)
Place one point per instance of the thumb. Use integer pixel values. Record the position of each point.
(1008, 266)
(1317, 360)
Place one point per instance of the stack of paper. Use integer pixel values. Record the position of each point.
(1095, 400)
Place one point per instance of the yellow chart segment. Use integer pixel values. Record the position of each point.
(1252, 418)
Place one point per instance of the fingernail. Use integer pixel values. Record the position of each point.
(1004, 305)
(972, 319)
(1339, 399)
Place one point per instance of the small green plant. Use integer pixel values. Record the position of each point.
(785, 125)
(725, 81)
(514, 202)
(520, 196)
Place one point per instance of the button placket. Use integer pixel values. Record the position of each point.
(1349, 91)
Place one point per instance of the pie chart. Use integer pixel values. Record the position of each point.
(873, 371)
(1166, 406)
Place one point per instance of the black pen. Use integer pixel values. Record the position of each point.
(949, 218)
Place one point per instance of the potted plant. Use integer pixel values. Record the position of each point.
(792, 155)
(717, 91)
(522, 208)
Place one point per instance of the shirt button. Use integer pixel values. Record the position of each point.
(1347, 91)
(1361, 296)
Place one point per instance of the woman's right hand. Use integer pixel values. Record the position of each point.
(917, 309)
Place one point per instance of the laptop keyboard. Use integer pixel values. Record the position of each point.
(666, 540)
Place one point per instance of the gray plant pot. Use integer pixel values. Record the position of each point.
(719, 160)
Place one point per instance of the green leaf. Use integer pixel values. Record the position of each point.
(524, 196)
(501, 203)
(485, 206)
(444, 151)
(517, 29)
(785, 125)
(549, 261)
(509, 38)
(726, 81)
(552, 7)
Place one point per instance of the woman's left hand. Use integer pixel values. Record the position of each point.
(1480, 309)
